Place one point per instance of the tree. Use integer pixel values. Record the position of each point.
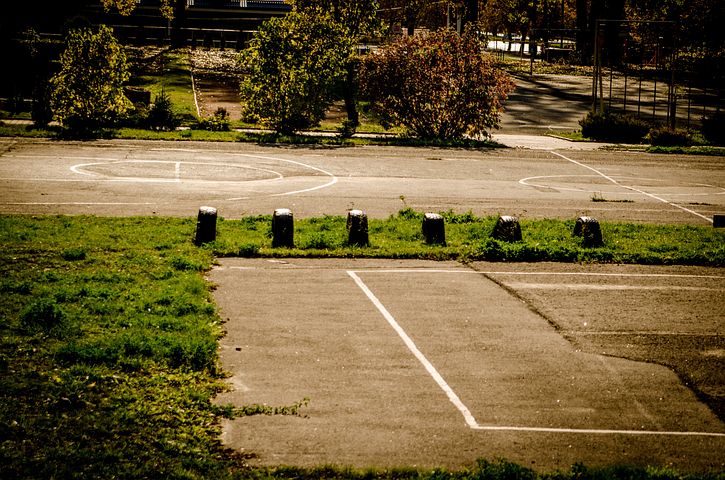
(126, 7)
(292, 65)
(356, 19)
(87, 91)
(437, 86)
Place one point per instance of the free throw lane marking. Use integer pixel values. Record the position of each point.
(607, 177)
(455, 399)
(470, 421)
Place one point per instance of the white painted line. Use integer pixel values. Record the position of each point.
(528, 182)
(587, 286)
(640, 332)
(194, 91)
(470, 421)
(594, 431)
(603, 175)
(80, 169)
(544, 273)
(328, 184)
(80, 203)
(456, 401)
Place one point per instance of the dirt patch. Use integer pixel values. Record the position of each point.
(216, 80)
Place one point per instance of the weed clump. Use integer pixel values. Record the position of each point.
(614, 127)
(43, 316)
(668, 137)
(218, 122)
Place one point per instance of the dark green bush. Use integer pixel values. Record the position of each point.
(161, 115)
(219, 122)
(667, 137)
(713, 128)
(614, 127)
(137, 117)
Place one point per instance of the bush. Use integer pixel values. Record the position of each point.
(438, 86)
(219, 122)
(161, 115)
(667, 137)
(713, 128)
(88, 90)
(614, 127)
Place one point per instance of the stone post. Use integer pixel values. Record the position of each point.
(283, 228)
(205, 225)
(357, 228)
(507, 229)
(434, 229)
(589, 230)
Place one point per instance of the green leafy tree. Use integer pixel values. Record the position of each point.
(357, 19)
(87, 91)
(437, 86)
(292, 65)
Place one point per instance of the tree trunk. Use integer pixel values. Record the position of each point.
(582, 29)
(613, 44)
(177, 23)
(533, 23)
(349, 93)
(470, 16)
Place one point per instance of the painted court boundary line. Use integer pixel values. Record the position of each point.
(544, 273)
(455, 399)
(607, 177)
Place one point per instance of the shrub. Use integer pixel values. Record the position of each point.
(88, 90)
(667, 137)
(438, 86)
(161, 115)
(219, 122)
(713, 128)
(614, 127)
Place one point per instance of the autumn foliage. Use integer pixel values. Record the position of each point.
(438, 86)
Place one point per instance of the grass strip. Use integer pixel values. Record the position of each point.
(248, 137)
(108, 337)
(170, 74)
(469, 239)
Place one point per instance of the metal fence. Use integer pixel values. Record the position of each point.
(638, 69)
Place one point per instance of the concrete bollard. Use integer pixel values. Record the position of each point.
(357, 228)
(205, 225)
(434, 229)
(718, 221)
(588, 228)
(283, 228)
(507, 229)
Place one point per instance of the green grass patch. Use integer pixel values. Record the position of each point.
(170, 72)
(469, 239)
(692, 150)
(108, 351)
(260, 137)
(27, 131)
(571, 135)
(108, 334)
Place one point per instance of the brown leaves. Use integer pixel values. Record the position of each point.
(438, 86)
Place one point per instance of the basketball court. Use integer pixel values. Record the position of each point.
(433, 364)
(169, 178)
